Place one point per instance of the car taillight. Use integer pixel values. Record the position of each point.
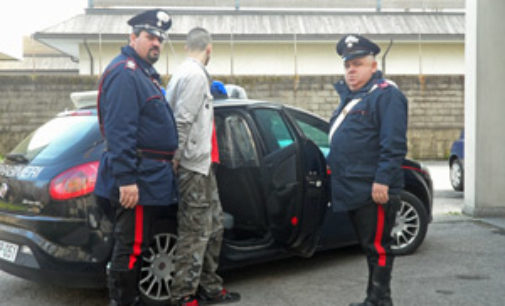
(74, 182)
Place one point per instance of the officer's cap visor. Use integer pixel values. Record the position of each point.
(162, 35)
(356, 54)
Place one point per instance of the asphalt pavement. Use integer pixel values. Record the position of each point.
(461, 262)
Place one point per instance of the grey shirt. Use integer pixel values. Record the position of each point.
(188, 94)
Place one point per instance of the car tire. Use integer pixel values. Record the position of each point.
(457, 175)
(157, 270)
(411, 225)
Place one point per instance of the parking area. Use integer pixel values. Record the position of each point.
(460, 263)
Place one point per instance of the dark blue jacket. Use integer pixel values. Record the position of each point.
(134, 115)
(370, 144)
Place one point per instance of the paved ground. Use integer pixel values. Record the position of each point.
(460, 263)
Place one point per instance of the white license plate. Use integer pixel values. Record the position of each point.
(8, 251)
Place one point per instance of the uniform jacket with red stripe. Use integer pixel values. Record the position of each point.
(370, 144)
(134, 115)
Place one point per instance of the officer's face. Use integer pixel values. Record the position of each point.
(358, 71)
(147, 46)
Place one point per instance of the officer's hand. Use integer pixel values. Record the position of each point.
(129, 195)
(175, 165)
(380, 193)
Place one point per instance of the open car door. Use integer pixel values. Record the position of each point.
(294, 178)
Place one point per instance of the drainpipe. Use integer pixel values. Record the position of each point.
(91, 4)
(232, 55)
(295, 50)
(384, 57)
(378, 5)
(237, 5)
(92, 64)
(100, 53)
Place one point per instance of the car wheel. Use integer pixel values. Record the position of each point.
(411, 225)
(457, 177)
(157, 270)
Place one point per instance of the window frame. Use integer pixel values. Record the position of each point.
(295, 114)
(287, 122)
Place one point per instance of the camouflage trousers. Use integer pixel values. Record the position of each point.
(200, 231)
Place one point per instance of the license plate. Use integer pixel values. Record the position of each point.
(8, 251)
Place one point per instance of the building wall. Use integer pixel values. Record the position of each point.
(27, 102)
(314, 58)
(484, 145)
(435, 104)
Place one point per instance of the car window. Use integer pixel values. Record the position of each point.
(274, 129)
(55, 137)
(313, 128)
(235, 141)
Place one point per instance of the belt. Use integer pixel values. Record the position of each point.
(157, 155)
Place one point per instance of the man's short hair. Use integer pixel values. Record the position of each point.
(198, 39)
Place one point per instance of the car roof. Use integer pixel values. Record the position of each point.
(87, 100)
(244, 102)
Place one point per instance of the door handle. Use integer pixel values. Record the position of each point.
(313, 179)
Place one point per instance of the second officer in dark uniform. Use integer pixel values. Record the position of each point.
(135, 175)
(367, 148)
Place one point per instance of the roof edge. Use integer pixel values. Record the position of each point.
(95, 37)
(274, 11)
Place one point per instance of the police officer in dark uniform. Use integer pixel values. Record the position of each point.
(367, 148)
(135, 175)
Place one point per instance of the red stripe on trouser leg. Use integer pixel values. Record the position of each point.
(137, 243)
(378, 236)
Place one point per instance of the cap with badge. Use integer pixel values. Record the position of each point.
(155, 22)
(353, 46)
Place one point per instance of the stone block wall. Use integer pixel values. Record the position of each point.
(26, 102)
(436, 104)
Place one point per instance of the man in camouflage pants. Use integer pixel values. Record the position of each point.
(200, 216)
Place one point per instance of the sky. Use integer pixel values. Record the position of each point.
(28, 16)
(20, 18)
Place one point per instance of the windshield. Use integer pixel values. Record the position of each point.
(53, 139)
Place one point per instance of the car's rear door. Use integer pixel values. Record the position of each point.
(293, 173)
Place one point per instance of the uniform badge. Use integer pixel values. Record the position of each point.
(162, 18)
(131, 65)
(351, 40)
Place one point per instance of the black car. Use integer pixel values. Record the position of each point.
(272, 183)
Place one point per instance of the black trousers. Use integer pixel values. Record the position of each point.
(373, 224)
(133, 233)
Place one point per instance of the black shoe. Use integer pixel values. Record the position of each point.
(364, 303)
(222, 297)
(134, 303)
(379, 287)
(123, 288)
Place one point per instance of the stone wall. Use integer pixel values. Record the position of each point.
(26, 102)
(436, 104)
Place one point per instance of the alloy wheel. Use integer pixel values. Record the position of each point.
(157, 268)
(407, 226)
(456, 174)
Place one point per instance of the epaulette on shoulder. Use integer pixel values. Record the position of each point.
(130, 64)
(385, 83)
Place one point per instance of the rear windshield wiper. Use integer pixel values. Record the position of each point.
(18, 158)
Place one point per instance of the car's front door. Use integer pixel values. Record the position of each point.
(293, 174)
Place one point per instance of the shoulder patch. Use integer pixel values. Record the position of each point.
(383, 85)
(386, 83)
(130, 64)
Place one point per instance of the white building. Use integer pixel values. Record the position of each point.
(275, 41)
